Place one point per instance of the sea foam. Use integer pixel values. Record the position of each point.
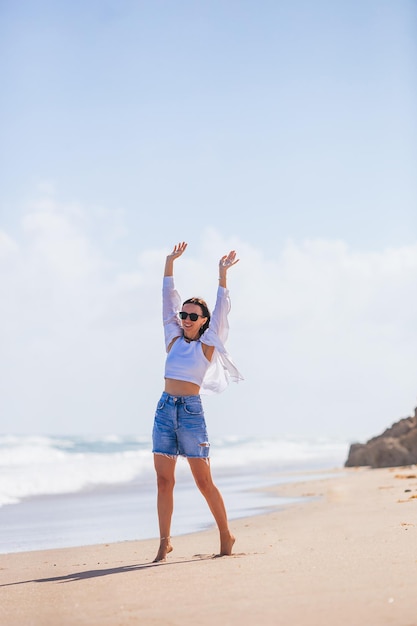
(38, 465)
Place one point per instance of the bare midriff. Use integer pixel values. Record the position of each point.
(181, 387)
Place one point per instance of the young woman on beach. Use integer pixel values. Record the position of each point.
(196, 361)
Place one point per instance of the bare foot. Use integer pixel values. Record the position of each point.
(226, 543)
(165, 548)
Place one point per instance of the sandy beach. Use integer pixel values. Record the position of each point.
(347, 555)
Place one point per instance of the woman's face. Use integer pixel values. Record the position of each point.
(192, 328)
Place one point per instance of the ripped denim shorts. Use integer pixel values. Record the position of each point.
(180, 428)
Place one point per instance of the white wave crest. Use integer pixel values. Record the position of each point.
(33, 466)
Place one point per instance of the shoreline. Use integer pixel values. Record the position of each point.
(127, 512)
(347, 554)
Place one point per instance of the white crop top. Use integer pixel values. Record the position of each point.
(186, 361)
(215, 374)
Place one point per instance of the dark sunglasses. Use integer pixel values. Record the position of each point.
(193, 316)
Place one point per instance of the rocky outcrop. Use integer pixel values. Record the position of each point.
(396, 446)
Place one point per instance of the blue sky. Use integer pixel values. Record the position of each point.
(284, 129)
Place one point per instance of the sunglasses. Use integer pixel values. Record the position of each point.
(193, 316)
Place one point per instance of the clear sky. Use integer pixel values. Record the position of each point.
(283, 128)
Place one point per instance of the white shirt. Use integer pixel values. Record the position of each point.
(186, 361)
(221, 369)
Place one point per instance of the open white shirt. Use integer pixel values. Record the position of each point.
(221, 369)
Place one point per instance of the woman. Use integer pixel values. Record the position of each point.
(196, 361)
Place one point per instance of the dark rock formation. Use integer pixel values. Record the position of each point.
(396, 446)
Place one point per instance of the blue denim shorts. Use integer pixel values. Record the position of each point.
(180, 428)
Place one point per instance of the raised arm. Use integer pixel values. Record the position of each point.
(171, 301)
(222, 368)
(178, 250)
(219, 326)
(226, 262)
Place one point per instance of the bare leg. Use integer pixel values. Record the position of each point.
(204, 481)
(165, 474)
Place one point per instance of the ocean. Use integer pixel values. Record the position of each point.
(70, 491)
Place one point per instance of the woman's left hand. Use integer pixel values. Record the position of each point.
(228, 260)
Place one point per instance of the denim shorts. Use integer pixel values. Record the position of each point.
(180, 428)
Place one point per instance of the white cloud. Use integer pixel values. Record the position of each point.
(333, 334)
(324, 335)
(8, 247)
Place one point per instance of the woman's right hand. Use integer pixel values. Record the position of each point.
(178, 250)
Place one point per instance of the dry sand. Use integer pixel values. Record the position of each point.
(346, 557)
